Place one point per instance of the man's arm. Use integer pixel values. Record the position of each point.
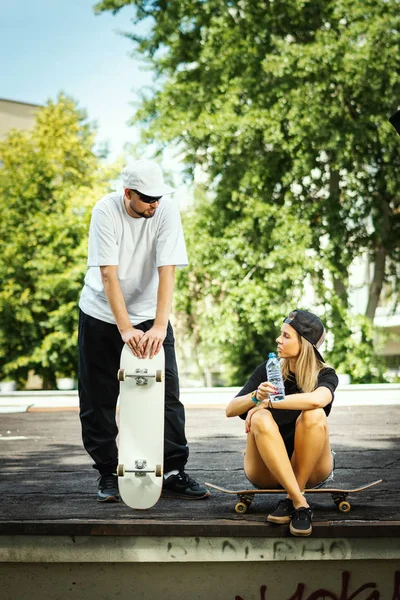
(153, 339)
(112, 289)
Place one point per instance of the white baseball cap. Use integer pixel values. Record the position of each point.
(145, 176)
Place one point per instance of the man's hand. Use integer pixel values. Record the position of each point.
(132, 337)
(151, 342)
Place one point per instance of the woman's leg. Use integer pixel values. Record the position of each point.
(312, 458)
(266, 462)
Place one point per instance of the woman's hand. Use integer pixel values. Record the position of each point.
(251, 412)
(264, 390)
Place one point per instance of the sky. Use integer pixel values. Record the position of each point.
(49, 46)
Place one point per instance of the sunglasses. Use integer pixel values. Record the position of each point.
(147, 199)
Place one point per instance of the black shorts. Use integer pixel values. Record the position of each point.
(287, 432)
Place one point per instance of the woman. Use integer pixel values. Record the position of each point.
(288, 441)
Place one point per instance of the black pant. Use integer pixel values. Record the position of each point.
(100, 347)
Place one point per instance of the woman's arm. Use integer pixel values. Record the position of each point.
(241, 404)
(319, 398)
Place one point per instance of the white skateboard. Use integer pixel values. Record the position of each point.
(141, 429)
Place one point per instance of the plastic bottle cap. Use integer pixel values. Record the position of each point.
(272, 355)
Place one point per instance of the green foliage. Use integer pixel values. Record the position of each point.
(242, 281)
(357, 352)
(284, 105)
(49, 179)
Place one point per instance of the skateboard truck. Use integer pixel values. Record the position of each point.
(140, 469)
(340, 501)
(141, 376)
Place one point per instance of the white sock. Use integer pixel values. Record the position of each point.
(174, 472)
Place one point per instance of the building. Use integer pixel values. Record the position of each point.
(16, 115)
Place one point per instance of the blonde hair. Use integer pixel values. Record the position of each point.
(308, 366)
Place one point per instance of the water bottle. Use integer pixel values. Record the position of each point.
(274, 376)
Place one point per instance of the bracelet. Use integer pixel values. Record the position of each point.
(254, 398)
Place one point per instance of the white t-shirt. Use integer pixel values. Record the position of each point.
(138, 247)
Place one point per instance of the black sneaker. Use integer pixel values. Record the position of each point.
(301, 521)
(108, 488)
(183, 486)
(282, 513)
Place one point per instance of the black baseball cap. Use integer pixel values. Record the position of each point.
(395, 121)
(309, 326)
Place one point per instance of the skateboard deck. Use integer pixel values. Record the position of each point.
(339, 495)
(141, 429)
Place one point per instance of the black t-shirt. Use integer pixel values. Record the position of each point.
(326, 378)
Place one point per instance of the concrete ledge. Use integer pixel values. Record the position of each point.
(236, 528)
(54, 549)
(247, 580)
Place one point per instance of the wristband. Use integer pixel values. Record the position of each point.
(254, 398)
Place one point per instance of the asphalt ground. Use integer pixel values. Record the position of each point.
(47, 484)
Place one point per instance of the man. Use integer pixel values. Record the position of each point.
(135, 243)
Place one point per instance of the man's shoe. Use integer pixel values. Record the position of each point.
(108, 488)
(301, 521)
(282, 513)
(183, 486)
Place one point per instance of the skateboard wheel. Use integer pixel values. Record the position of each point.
(344, 506)
(241, 508)
(121, 470)
(158, 471)
(121, 375)
(159, 376)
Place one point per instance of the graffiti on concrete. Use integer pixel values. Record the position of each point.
(228, 549)
(311, 550)
(367, 591)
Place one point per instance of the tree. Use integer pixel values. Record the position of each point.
(50, 177)
(284, 105)
(228, 297)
